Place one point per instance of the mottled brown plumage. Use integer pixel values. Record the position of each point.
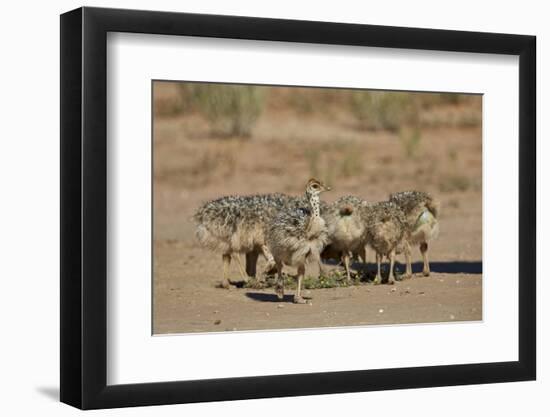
(296, 235)
(421, 212)
(385, 230)
(346, 230)
(235, 225)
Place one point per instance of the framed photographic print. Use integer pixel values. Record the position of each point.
(257, 208)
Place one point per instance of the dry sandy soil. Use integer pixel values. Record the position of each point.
(191, 167)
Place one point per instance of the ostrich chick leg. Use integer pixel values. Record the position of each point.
(244, 277)
(364, 256)
(226, 258)
(345, 257)
(391, 256)
(280, 286)
(298, 296)
(270, 262)
(408, 271)
(378, 278)
(424, 251)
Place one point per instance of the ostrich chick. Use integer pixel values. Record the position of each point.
(346, 230)
(421, 212)
(235, 224)
(385, 231)
(295, 236)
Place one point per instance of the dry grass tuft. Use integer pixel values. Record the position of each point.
(383, 110)
(454, 183)
(232, 110)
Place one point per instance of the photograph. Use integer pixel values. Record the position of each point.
(290, 207)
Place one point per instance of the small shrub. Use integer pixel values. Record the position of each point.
(313, 156)
(167, 107)
(453, 155)
(301, 102)
(454, 183)
(382, 110)
(321, 163)
(451, 98)
(351, 163)
(454, 203)
(232, 110)
(410, 141)
(469, 118)
(429, 100)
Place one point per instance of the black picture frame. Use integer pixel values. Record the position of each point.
(84, 207)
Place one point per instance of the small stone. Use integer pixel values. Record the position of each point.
(381, 310)
(280, 306)
(452, 317)
(393, 290)
(267, 314)
(458, 281)
(420, 292)
(217, 322)
(216, 311)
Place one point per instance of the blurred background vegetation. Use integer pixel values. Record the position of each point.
(226, 138)
(234, 110)
(212, 140)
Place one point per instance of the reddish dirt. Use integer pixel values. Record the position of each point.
(191, 167)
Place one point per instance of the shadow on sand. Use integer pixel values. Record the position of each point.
(450, 267)
(269, 298)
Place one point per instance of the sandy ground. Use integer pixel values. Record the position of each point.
(190, 168)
